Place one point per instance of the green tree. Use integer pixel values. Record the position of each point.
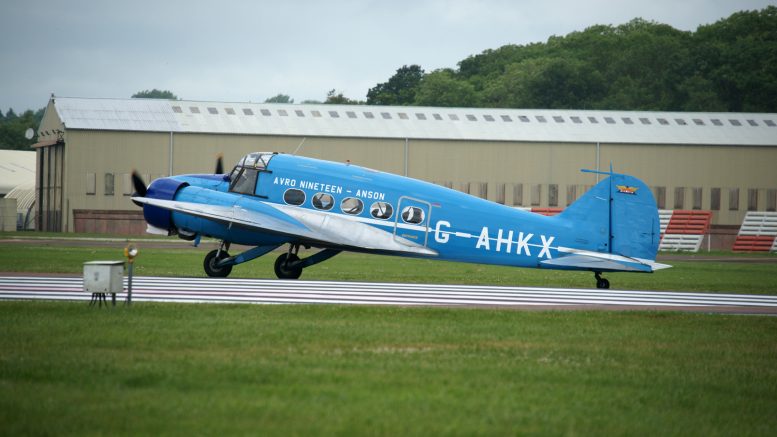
(280, 98)
(335, 98)
(441, 88)
(12, 129)
(399, 90)
(155, 94)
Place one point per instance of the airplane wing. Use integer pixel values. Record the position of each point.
(597, 261)
(309, 226)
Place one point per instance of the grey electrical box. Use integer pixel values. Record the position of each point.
(104, 276)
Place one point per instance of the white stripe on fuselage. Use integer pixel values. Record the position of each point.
(520, 245)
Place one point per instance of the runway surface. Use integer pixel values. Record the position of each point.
(210, 290)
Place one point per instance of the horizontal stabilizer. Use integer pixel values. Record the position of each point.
(603, 262)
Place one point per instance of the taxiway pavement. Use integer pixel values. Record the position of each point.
(261, 291)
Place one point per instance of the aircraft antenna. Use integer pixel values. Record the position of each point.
(299, 146)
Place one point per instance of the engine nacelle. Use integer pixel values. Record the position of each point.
(165, 189)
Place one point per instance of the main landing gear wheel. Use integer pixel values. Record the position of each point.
(601, 282)
(213, 257)
(282, 268)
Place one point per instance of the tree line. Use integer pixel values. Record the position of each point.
(727, 66)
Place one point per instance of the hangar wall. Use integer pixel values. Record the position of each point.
(514, 173)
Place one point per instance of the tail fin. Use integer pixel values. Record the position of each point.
(619, 216)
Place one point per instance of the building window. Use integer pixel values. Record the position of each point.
(715, 199)
(660, 194)
(679, 197)
(696, 197)
(91, 182)
(733, 199)
(500, 193)
(771, 199)
(553, 195)
(517, 194)
(109, 182)
(126, 184)
(571, 194)
(483, 190)
(536, 192)
(752, 199)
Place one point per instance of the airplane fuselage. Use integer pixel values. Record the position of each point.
(455, 225)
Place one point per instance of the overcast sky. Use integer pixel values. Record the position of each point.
(251, 50)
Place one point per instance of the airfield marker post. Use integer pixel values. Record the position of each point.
(130, 252)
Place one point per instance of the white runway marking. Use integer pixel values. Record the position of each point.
(262, 291)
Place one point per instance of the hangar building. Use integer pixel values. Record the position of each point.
(87, 149)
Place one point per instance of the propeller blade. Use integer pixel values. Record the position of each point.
(140, 186)
(220, 165)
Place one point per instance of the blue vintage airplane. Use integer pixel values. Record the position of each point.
(271, 199)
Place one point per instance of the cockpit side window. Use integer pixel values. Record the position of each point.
(245, 182)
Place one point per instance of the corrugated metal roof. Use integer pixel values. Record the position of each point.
(414, 122)
(17, 167)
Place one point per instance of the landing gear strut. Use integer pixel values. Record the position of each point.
(213, 267)
(289, 265)
(601, 282)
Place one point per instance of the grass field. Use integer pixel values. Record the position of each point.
(174, 369)
(321, 370)
(686, 275)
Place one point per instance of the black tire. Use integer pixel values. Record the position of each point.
(282, 271)
(603, 284)
(210, 264)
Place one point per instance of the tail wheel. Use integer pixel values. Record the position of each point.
(601, 282)
(211, 259)
(282, 268)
